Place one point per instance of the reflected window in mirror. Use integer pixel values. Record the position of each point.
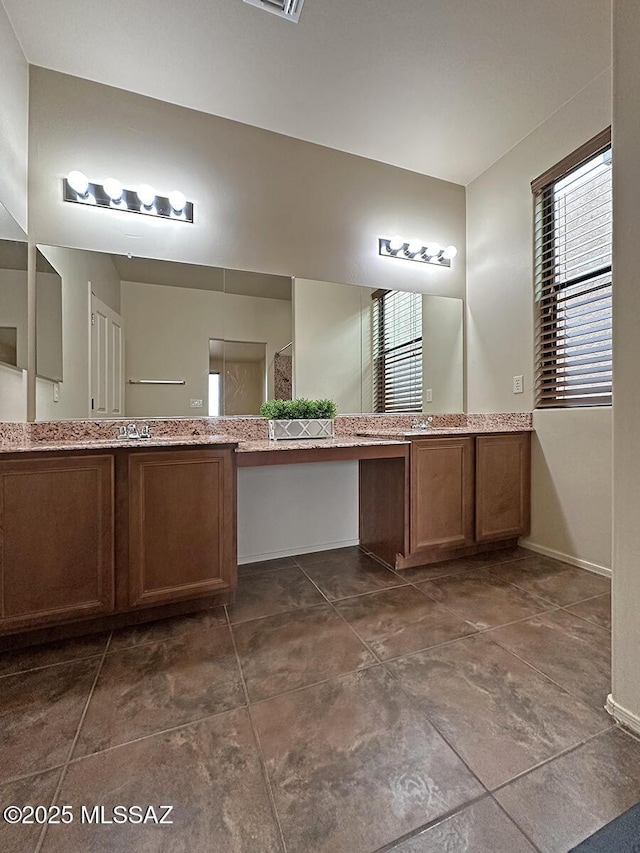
(397, 351)
(215, 395)
(241, 368)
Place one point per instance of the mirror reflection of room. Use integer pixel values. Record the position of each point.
(13, 319)
(375, 350)
(145, 337)
(13, 303)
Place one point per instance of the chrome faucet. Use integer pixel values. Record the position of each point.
(426, 423)
(131, 431)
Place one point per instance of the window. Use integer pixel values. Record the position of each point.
(215, 395)
(397, 351)
(573, 226)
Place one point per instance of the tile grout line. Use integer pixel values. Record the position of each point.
(544, 674)
(48, 665)
(479, 633)
(393, 845)
(166, 731)
(538, 595)
(415, 703)
(515, 823)
(549, 605)
(349, 625)
(58, 788)
(11, 780)
(256, 737)
(561, 754)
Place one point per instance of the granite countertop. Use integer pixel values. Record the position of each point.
(116, 443)
(199, 441)
(246, 434)
(461, 430)
(313, 444)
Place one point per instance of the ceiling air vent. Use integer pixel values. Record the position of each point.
(289, 9)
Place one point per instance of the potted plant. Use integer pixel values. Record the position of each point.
(299, 418)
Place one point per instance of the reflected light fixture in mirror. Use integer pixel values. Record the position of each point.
(416, 250)
(78, 189)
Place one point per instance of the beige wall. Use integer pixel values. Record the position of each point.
(263, 201)
(77, 270)
(13, 394)
(571, 485)
(14, 110)
(500, 336)
(13, 310)
(626, 357)
(443, 354)
(49, 326)
(328, 342)
(167, 332)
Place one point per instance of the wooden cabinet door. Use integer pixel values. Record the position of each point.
(503, 483)
(442, 492)
(56, 539)
(182, 525)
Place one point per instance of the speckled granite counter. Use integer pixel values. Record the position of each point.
(311, 444)
(249, 433)
(341, 448)
(31, 446)
(401, 435)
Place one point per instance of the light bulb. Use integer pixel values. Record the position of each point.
(450, 252)
(146, 194)
(433, 250)
(415, 247)
(396, 243)
(113, 189)
(177, 200)
(78, 182)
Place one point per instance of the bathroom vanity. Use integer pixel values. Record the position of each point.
(98, 532)
(110, 536)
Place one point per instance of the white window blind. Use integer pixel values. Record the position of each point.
(573, 230)
(397, 351)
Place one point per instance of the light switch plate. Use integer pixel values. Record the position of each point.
(195, 404)
(429, 395)
(56, 392)
(518, 384)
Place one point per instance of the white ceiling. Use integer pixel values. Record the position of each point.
(443, 87)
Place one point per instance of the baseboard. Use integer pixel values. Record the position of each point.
(292, 552)
(622, 715)
(566, 558)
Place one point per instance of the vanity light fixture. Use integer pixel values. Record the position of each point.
(79, 189)
(114, 189)
(416, 250)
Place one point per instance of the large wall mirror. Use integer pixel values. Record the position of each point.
(378, 350)
(148, 338)
(151, 338)
(13, 319)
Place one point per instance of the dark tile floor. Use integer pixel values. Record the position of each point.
(336, 706)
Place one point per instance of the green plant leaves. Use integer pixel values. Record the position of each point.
(280, 410)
